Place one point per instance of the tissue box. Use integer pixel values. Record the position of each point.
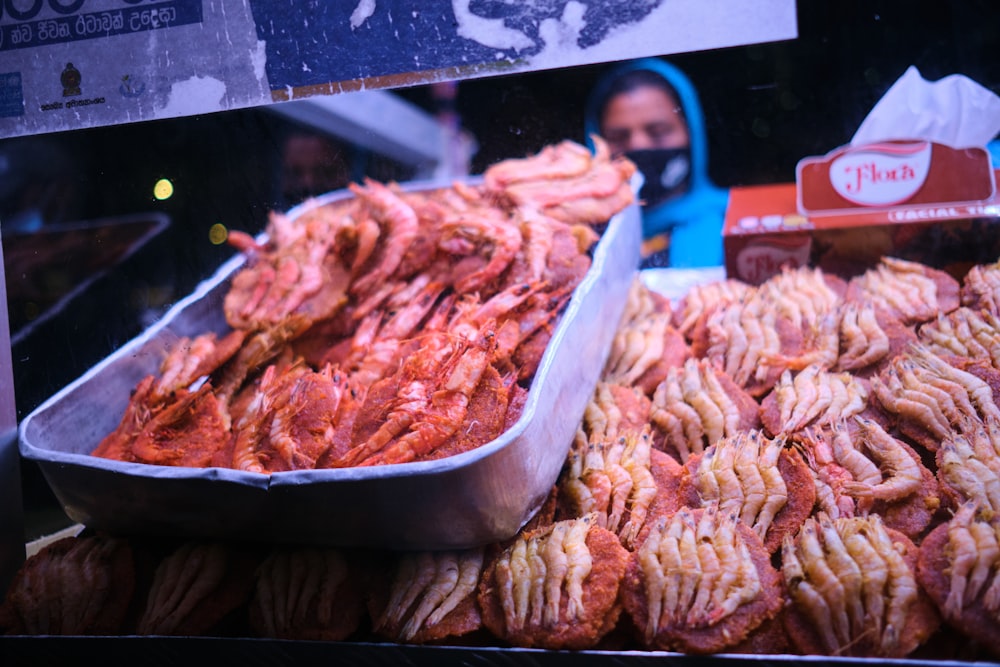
(915, 200)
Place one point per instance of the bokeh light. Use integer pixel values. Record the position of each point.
(218, 233)
(163, 189)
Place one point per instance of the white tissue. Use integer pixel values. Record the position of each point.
(954, 110)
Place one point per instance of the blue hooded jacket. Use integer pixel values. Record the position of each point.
(694, 220)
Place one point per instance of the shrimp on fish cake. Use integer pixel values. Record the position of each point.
(928, 396)
(959, 568)
(980, 289)
(76, 585)
(810, 299)
(309, 593)
(700, 582)
(764, 482)
(912, 291)
(804, 294)
(981, 368)
(425, 402)
(812, 397)
(193, 429)
(196, 587)
(869, 338)
(422, 597)
(170, 419)
(593, 198)
(614, 410)
(968, 466)
(563, 184)
(853, 590)
(554, 587)
(902, 490)
(284, 289)
(394, 214)
(750, 340)
(646, 344)
(623, 482)
(565, 159)
(696, 405)
(494, 406)
(293, 421)
(703, 298)
(964, 332)
(481, 244)
(859, 469)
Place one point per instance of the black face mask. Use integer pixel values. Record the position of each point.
(666, 173)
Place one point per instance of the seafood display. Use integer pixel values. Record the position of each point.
(385, 327)
(805, 467)
(882, 388)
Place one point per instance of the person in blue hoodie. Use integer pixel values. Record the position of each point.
(649, 111)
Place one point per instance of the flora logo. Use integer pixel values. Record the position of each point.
(881, 174)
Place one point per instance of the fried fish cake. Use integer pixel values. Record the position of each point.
(78, 585)
(427, 597)
(959, 568)
(697, 404)
(912, 291)
(309, 593)
(700, 582)
(860, 469)
(624, 483)
(853, 590)
(555, 587)
(759, 479)
(196, 587)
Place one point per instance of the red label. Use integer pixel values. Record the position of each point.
(758, 261)
(892, 174)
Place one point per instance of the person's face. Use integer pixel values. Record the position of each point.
(642, 119)
(311, 166)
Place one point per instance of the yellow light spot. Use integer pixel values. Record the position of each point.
(218, 233)
(163, 189)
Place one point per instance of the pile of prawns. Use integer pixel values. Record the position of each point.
(383, 327)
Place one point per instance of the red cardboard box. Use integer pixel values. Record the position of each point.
(919, 201)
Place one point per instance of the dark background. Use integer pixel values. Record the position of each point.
(766, 107)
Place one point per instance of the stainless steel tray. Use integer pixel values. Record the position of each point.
(478, 497)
